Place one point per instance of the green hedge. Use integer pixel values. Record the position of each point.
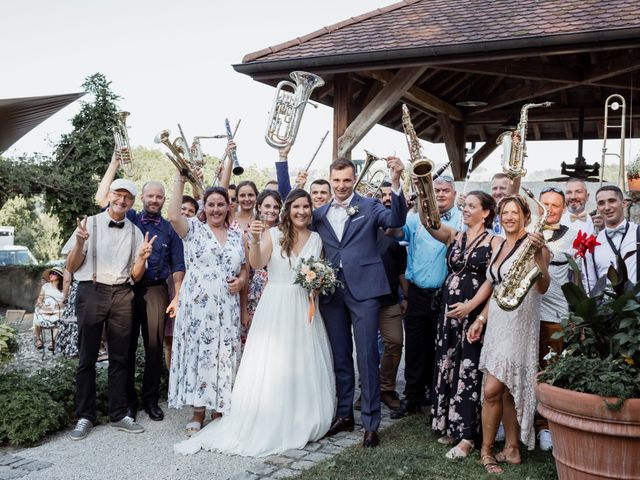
(33, 406)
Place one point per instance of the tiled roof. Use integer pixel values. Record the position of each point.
(434, 23)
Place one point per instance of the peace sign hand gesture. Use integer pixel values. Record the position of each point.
(147, 246)
(82, 234)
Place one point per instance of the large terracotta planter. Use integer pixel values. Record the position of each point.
(634, 184)
(590, 441)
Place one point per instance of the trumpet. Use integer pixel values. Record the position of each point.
(178, 149)
(514, 144)
(288, 107)
(123, 148)
(369, 182)
(615, 102)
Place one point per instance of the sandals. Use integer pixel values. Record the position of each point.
(501, 457)
(490, 465)
(39, 344)
(457, 453)
(192, 428)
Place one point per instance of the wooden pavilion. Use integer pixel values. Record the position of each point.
(442, 57)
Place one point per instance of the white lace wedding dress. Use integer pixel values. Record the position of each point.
(284, 394)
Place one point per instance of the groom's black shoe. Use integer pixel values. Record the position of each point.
(154, 411)
(371, 440)
(406, 408)
(341, 424)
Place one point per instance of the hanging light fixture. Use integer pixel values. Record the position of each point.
(471, 98)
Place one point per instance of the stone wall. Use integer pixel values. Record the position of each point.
(19, 286)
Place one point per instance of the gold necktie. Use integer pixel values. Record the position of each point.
(579, 216)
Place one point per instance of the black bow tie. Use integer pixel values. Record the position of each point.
(113, 224)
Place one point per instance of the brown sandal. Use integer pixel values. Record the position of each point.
(39, 344)
(491, 465)
(501, 457)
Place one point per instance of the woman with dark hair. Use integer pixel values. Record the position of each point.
(457, 382)
(206, 336)
(268, 207)
(284, 394)
(246, 195)
(509, 355)
(49, 305)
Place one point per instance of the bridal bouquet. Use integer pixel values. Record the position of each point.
(316, 276)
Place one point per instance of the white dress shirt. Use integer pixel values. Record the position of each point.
(337, 216)
(113, 248)
(604, 256)
(577, 224)
(553, 305)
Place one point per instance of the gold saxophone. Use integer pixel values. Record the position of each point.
(524, 271)
(514, 149)
(422, 168)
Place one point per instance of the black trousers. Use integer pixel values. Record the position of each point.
(98, 305)
(150, 304)
(420, 322)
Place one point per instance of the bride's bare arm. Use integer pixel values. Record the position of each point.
(261, 247)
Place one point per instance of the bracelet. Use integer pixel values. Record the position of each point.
(283, 159)
(482, 319)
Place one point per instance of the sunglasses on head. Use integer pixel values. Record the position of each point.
(552, 189)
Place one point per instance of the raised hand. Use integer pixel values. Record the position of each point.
(82, 234)
(147, 246)
(462, 198)
(397, 167)
(256, 228)
(284, 151)
(301, 179)
(231, 146)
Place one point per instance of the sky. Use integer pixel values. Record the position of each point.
(171, 63)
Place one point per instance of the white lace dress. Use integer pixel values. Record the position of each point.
(284, 395)
(510, 351)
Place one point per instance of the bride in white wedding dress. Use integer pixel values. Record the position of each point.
(284, 394)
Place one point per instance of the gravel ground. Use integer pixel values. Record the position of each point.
(110, 454)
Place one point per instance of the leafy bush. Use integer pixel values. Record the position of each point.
(8, 342)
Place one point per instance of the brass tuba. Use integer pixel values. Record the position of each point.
(514, 148)
(369, 182)
(422, 168)
(615, 102)
(524, 271)
(123, 148)
(288, 107)
(179, 148)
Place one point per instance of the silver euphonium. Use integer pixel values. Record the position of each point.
(123, 148)
(288, 107)
(179, 148)
(514, 148)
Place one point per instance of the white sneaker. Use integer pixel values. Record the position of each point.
(544, 437)
(500, 434)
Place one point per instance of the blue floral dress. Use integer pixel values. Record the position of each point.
(206, 338)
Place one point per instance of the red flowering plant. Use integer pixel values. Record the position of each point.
(601, 332)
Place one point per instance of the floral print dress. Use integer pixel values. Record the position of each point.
(458, 382)
(67, 339)
(206, 337)
(257, 281)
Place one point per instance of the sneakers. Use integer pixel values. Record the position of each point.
(500, 434)
(83, 427)
(127, 424)
(544, 437)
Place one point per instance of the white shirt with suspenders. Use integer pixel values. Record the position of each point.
(625, 239)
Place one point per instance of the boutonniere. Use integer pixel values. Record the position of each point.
(352, 210)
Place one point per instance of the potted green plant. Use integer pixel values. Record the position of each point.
(8, 342)
(591, 392)
(633, 174)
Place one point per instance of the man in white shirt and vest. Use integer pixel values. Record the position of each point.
(619, 237)
(106, 254)
(576, 215)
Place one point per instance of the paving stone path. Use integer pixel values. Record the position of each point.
(15, 466)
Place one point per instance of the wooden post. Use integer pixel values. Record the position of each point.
(371, 114)
(453, 136)
(341, 109)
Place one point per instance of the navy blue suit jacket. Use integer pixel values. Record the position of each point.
(361, 263)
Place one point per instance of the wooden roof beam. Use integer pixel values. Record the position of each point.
(484, 151)
(515, 69)
(386, 98)
(422, 99)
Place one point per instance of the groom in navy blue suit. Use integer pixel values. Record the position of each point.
(349, 226)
